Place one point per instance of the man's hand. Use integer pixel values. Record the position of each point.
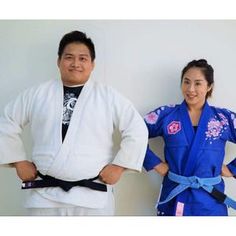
(162, 168)
(25, 170)
(226, 172)
(110, 174)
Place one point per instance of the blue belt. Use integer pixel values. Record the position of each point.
(196, 183)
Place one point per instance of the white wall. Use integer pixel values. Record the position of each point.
(141, 59)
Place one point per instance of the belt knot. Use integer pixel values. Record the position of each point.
(195, 182)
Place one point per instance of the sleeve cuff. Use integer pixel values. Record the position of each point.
(151, 160)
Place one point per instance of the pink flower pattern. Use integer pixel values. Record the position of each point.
(174, 127)
(234, 120)
(216, 127)
(151, 118)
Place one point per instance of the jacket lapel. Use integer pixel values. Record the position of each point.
(75, 122)
(197, 141)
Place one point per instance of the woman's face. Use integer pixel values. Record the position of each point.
(194, 87)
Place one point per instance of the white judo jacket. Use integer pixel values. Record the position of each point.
(88, 145)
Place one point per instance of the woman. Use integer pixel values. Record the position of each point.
(195, 135)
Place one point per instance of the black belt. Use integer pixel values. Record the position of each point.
(49, 181)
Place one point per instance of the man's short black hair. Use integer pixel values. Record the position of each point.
(76, 37)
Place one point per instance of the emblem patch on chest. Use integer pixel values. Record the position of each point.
(174, 127)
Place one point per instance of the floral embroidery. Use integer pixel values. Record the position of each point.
(223, 121)
(151, 118)
(216, 127)
(233, 119)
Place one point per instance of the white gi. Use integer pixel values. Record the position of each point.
(88, 144)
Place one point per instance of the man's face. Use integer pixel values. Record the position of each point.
(75, 64)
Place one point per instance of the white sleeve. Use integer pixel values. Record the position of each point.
(134, 134)
(14, 119)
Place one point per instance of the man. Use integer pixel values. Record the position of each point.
(70, 150)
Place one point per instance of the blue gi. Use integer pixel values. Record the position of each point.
(189, 153)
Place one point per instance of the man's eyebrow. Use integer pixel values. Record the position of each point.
(68, 54)
(84, 54)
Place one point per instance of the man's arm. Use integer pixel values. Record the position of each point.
(12, 123)
(134, 135)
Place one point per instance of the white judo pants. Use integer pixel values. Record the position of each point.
(108, 210)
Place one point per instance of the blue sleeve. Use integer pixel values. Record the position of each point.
(231, 119)
(154, 121)
(228, 117)
(151, 160)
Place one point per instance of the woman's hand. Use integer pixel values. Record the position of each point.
(162, 168)
(226, 172)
